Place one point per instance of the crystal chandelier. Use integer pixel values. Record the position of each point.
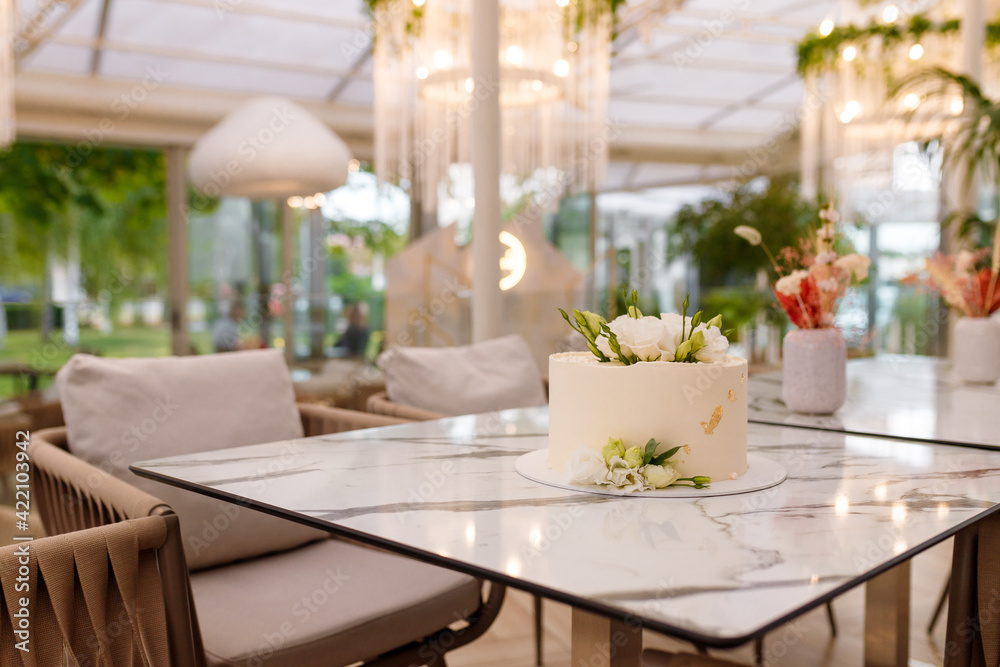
(554, 60)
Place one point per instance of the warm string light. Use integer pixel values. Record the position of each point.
(311, 202)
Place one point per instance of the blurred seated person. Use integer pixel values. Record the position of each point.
(226, 335)
(355, 339)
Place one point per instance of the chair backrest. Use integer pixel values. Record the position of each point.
(107, 595)
(379, 404)
(119, 411)
(496, 374)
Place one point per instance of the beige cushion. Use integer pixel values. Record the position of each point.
(123, 410)
(330, 603)
(494, 375)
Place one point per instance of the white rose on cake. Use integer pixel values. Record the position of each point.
(716, 345)
(640, 337)
(672, 323)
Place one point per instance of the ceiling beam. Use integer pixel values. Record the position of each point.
(196, 56)
(356, 66)
(743, 18)
(728, 32)
(96, 110)
(102, 28)
(37, 27)
(750, 101)
(640, 96)
(707, 63)
(222, 7)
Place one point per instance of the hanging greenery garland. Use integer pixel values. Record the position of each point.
(817, 52)
(575, 14)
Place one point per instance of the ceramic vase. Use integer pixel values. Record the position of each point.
(814, 370)
(977, 350)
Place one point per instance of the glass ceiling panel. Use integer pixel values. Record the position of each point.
(83, 22)
(60, 58)
(235, 78)
(346, 10)
(751, 52)
(657, 113)
(201, 29)
(751, 119)
(361, 93)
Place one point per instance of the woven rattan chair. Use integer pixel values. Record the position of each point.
(379, 404)
(43, 413)
(12, 427)
(115, 595)
(74, 495)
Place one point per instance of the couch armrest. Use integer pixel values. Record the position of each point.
(73, 495)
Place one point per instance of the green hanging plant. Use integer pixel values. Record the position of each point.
(817, 52)
(576, 13)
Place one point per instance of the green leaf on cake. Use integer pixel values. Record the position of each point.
(588, 325)
(662, 458)
(650, 450)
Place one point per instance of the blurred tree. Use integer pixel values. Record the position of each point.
(705, 230)
(105, 205)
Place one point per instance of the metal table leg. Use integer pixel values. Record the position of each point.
(887, 618)
(599, 641)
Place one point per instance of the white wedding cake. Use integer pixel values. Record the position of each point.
(648, 382)
(700, 407)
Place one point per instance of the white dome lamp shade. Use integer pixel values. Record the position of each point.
(268, 148)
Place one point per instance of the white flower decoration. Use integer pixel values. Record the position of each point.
(826, 257)
(965, 261)
(672, 323)
(855, 264)
(791, 285)
(716, 345)
(829, 214)
(828, 284)
(586, 466)
(749, 234)
(640, 337)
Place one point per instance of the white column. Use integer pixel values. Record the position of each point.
(177, 250)
(287, 278)
(486, 247)
(810, 139)
(973, 33)
(959, 187)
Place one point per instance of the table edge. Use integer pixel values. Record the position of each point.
(535, 589)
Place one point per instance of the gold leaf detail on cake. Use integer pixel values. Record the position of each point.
(732, 395)
(713, 421)
(743, 378)
(687, 449)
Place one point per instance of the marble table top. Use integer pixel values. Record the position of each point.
(896, 396)
(719, 571)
